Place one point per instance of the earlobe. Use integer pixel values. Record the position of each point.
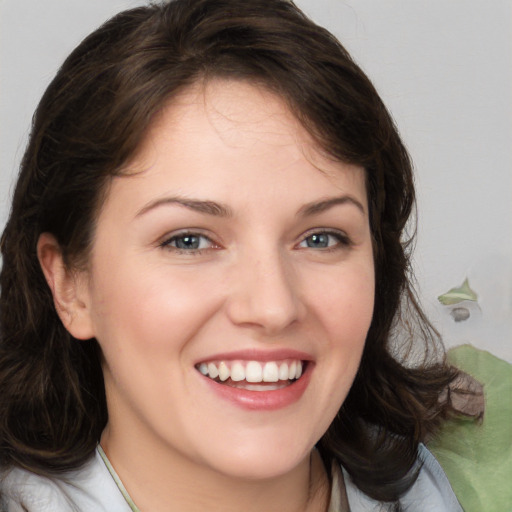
(69, 288)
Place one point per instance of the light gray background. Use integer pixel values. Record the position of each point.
(444, 69)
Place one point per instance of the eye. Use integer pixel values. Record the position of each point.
(188, 242)
(325, 240)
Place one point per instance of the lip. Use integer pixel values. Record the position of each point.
(261, 400)
(258, 355)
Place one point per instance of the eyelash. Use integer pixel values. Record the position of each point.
(167, 243)
(342, 241)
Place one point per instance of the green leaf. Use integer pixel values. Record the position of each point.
(477, 456)
(459, 294)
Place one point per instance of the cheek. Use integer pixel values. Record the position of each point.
(150, 311)
(345, 301)
(344, 312)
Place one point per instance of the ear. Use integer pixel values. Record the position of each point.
(69, 288)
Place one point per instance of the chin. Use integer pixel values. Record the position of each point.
(263, 468)
(259, 459)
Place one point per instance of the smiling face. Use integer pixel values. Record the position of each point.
(230, 287)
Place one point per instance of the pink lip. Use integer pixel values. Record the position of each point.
(258, 355)
(262, 400)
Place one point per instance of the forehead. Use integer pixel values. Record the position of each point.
(235, 130)
(239, 112)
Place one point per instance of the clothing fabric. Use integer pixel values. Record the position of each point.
(431, 492)
(93, 488)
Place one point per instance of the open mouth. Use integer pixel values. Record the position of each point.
(254, 375)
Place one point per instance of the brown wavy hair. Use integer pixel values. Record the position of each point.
(90, 122)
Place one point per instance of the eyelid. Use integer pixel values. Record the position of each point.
(166, 241)
(344, 239)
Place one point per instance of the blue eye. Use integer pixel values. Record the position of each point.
(316, 241)
(324, 240)
(188, 242)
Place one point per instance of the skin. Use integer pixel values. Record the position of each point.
(257, 282)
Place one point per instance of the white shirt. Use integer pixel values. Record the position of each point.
(92, 488)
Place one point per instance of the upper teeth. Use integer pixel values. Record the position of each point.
(252, 371)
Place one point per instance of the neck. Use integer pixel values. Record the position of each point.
(169, 479)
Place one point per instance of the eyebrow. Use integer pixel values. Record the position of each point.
(318, 207)
(221, 210)
(208, 207)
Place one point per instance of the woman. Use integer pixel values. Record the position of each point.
(204, 278)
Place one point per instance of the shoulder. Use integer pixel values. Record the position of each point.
(431, 492)
(87, 489)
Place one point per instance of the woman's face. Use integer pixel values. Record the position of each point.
(232, 255)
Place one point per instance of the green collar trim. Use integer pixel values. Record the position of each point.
(117, 480)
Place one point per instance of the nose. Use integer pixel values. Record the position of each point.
(264, 294)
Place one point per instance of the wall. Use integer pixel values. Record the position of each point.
(445, 71)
